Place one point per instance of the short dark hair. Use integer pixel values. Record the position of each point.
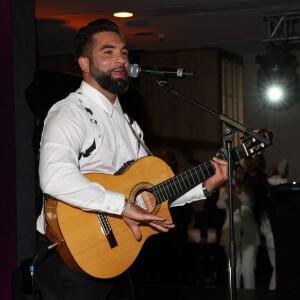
(83, 41)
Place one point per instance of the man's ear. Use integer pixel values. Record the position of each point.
(84, 64)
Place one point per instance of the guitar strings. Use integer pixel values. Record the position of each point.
(205, 168)
(104, 223)
(159, 189)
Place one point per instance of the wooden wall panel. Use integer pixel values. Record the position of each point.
(232, 92)
(170, 122)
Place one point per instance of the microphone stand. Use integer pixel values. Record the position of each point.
(228, 134)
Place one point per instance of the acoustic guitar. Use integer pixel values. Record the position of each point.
(100, 245)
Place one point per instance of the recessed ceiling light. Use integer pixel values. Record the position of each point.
(123, 14)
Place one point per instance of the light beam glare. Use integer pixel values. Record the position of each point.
(275, 93)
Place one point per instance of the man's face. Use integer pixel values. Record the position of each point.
(109, 62)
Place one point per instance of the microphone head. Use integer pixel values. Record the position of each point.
(133, 70)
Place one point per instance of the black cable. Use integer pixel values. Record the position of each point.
(34, 262)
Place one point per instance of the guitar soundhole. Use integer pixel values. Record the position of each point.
(143, 198)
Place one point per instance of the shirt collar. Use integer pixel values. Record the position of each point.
(98, 98)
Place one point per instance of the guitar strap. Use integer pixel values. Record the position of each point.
(138, 137)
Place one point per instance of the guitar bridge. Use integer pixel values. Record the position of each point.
(107, 230)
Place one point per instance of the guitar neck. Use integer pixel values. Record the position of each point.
(176, 186)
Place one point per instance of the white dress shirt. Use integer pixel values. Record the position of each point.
(85, 133)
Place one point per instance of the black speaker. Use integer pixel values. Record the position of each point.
(285, 221)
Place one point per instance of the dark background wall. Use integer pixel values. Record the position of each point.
(18, 179)
(24, 65)
(7, 152)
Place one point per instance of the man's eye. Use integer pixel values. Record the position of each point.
(125, 53)
(108, 52)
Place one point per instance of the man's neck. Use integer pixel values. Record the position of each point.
(111, 97)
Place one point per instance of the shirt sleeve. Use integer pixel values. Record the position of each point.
(194, 194)
(64, 131)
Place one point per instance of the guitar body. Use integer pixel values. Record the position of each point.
(83, 245)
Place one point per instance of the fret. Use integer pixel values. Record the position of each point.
(173, 191)
(173, 180)
(178, 182)
(188, 180)
(165, 190)
(197, 173)
(182, 180)
(202, 172)
(156, 194)
(198, 176)
(192, 176)
(160, 197)
(207, 168)
(170, 194)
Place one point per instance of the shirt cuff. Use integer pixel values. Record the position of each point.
(114, 202)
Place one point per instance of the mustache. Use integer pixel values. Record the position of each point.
(116, 68)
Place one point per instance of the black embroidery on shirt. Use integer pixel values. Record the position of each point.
(88, 110)
(88, 151)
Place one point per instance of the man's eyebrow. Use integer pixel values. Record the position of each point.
(113, 47)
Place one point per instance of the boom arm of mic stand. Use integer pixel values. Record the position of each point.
(230, 122)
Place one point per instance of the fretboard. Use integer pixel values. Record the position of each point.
(178, 185)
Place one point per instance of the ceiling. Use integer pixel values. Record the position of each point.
(233, 25)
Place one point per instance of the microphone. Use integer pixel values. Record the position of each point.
(158, 72)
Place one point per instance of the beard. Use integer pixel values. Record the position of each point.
(107, 82)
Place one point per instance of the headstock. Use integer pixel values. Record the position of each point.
(254, 147)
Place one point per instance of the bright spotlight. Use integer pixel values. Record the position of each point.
(274, 93)
(277, 79)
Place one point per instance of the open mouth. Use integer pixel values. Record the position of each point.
(119, 72)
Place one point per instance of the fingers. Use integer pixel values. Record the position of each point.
(157, 222)
(160, 226)
(220, 161)
(136, 232)
(220, 176)
(221, 166)
(136, 216)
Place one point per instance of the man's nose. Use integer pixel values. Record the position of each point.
(121, 58)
